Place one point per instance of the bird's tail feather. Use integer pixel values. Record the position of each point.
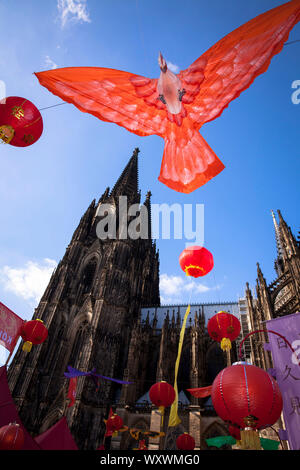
(188, 162)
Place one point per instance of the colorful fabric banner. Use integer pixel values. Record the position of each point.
(10, 327)
(287, 368)
(58, 437)
(200, 392)
(220, 441)
(174, 418)
(72, 391)
(9, 413)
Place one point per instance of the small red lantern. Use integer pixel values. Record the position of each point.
(245, 393)
(185, 442)
(33, 332)
(11, 437)
(224, 328)
(196, 261)
(114, 423)
(21, 123)
(162, 394)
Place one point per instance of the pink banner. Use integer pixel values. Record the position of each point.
(10, 327)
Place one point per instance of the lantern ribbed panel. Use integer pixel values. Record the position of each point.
(223, 325)
(11, 437)
(185, 442)
(242, 390)
(162, 394)
(34, 331)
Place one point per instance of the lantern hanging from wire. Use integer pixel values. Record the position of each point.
(162, 394)
(21, 123)
(224, 328)
(33, 332)
(196, 261)
(248, 397)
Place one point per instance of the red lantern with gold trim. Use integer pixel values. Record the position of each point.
(185, 442)
(196, 261)
(33, 332)
(11, 437)
(21, 123)
(114, 423)
(162, 394)
(224, 328)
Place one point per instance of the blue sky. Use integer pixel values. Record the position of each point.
(45, 188)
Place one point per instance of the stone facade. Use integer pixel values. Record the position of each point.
(92, 309)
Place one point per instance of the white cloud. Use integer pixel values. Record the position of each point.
(49, 63)
(173, 67)
(73, 10)
(30, 281)
(177, 289)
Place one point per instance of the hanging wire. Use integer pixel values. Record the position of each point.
(291, 42)
(277, 433)
(146, 57)
(53, 106)
(218, 296)
(191, 283)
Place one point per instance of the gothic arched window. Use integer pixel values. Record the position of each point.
(88, 275)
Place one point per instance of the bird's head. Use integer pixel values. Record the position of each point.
(162, 63)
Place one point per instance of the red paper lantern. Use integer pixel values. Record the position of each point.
(11, 437)
(196, 261)
(185, 442)
(162, 394)
(224, 328)
(33, 332)
(21, 123)
(245, 391)
(114, 423)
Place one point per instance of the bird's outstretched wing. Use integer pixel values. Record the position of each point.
(129, 100)
(231, 65)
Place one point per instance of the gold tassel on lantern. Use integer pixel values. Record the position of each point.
(27, 346)
(161, 409)
(249, 437)
(225, 344)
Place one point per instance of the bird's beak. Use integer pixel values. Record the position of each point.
(162, 63)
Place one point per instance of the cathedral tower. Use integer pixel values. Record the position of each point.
(89, 307)
(282, 296)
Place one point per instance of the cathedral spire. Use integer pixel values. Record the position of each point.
(127, 184)
(147, 204)
(277, 236)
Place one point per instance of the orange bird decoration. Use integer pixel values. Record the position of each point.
(173, 106)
